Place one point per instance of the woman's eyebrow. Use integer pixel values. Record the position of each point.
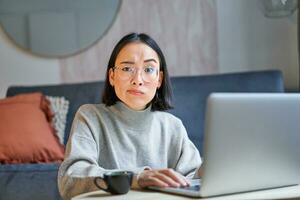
(126, 62)
(150, 60)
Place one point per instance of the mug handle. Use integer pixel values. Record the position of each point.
(98, 186)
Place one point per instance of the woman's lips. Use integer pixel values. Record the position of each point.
(135, 92)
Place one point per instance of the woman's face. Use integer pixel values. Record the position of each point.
(136, 75)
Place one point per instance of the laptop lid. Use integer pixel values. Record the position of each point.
(251, 142)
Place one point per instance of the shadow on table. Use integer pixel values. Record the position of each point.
(99, 195)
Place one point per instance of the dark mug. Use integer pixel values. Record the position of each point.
(116, 182)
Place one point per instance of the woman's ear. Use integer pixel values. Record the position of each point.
(111, 77)
(160, 80)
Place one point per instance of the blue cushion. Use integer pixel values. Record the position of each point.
(29, 182)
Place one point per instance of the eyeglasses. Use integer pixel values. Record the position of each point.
(149, 73)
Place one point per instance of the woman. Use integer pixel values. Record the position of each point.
(129, 131)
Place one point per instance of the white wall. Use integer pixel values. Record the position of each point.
(246, 41)
(188, 39)
(249, 41)
(20, 68)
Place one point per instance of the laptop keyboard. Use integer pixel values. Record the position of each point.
(195, 185)
(192, 188)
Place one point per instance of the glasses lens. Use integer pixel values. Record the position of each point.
(126, 72)
(149, 74)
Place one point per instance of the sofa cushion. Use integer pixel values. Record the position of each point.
(29, 182)
(77, 94)
(25, 131)
(59, 107)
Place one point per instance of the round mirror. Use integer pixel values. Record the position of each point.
(57, 28)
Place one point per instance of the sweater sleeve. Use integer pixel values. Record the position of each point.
(189, 161)
(80, 166)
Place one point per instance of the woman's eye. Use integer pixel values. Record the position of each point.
(149, 70)
(127, 69)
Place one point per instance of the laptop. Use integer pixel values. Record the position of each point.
(251, 142)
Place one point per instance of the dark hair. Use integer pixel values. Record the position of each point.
(163, 96)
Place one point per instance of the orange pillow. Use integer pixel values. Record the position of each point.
(26, 135)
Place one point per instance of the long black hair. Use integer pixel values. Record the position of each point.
(163, 96)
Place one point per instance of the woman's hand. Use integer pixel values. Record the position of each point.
(161, 178)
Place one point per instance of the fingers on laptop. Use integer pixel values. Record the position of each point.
(175, 176)
(162, 178)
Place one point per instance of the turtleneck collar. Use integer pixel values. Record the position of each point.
(135, 120)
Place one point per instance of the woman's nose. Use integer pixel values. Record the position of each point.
(137, 78)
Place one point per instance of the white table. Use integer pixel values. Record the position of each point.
(292, 192)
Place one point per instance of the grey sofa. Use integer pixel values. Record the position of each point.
(38, 181)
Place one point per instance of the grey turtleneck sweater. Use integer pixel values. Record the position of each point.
(111, 138)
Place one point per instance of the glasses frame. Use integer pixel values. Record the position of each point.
(136, 69)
